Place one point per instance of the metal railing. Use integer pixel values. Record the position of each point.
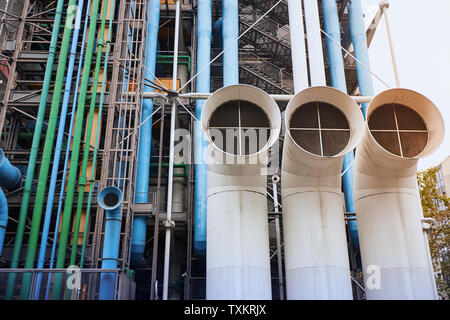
(79, 284)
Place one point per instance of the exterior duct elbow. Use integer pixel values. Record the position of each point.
(402, 126)
(238, 261)
(10, 176)
(110, 199)
(322, 125)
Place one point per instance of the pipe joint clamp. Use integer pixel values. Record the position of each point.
(168, 224)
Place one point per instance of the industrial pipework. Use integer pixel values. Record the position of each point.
(322, 124)
(110, 199)
(10, 175)
(238, 262)
(145, 135)
(402, 127)
(337, 75)
(203, 85)
(10, 178)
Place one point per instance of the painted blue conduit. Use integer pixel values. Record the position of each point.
(10, 176)
(145, 136)
(331, 23)
(204, 29)
(3, 218)
(230, 14)
(359, 39)
(56, 157)
(110, 199)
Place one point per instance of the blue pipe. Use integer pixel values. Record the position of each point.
(50, 198)
(230, 33)
(359, 38)
(204, 30)
(110, 199)
(331, 23)
(3, 218)
(10, 176)
(145, 137)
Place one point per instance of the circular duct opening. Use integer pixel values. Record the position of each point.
(320, 128)
(398, 129)
(239, 127)
(111, 199)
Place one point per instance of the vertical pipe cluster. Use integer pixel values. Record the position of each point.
(55, 168)
(59, 141)
(110, 199)
(145, 135)
(78, 128)
(34, 149)
(204, 21)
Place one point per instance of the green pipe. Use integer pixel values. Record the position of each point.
(161, 58)
(34, 150)
(97, 140)
(47, 153)
(65, 225)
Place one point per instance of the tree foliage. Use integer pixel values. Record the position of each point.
(439, 237)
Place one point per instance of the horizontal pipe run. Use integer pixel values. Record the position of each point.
(276, 97)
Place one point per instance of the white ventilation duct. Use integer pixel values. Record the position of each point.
(402, 127)
(238, 257)
(322, 125)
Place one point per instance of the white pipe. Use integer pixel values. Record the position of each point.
(275, 180)
(316, 257)
(315, 50)
(238, 261)
(388, 205)
(298, 49)
(171, 157)
(384, 5)
(276, 97)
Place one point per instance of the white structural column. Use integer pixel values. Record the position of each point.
(394, 253)
(314, 39)
(298, 49)
(316, 256)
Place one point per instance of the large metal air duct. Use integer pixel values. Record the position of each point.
(3, 218)
(241, 123)
(402, 127)
(10, 176)
(322, 125)
(110, 199)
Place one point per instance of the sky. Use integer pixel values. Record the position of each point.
(422, 48)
